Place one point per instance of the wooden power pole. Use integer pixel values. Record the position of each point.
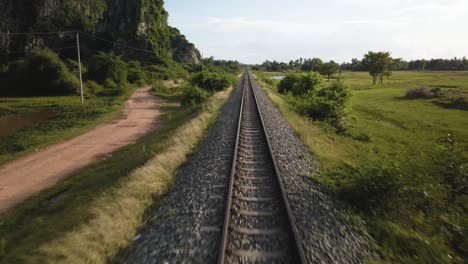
(79, 66)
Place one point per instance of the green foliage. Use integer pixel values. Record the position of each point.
(311, 65)
(212, 82)
(379, 65)
(92, 87)
(300, 84)
(222, 66)
(329, 69)
(155, 15)
(136, 74)
(286, 85)
(70, 15)
(326, 104)
(40, 73)
(110, 71)
(311, 99)
(194, 96)
(168, 70)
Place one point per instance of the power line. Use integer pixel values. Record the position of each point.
(53, 49)
(116, 43)
(36, 33)
(87, 34)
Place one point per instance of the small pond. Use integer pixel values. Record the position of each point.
(278, 77)
(10, 124)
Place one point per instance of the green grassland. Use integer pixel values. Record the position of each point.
(401, 166)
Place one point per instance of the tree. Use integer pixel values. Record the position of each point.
(311, 65)
(378, 64)
(329, 69)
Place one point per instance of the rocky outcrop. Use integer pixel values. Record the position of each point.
(140, 23)
(182, 50)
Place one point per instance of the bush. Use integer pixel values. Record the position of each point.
(419, 93)
(286, 85)
(159, 88)
(211, 82)
(300, 84)
(106, 67)
(136, 73)
(166, 71)
(194, 96)
(92, 87)
(327, 104)
(371, 189)
(41, 73)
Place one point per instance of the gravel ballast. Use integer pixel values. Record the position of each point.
(186, 226)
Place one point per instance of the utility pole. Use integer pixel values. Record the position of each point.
(79, 66)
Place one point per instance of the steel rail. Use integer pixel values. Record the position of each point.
(292, 224)
(227, 217)
(247, 80)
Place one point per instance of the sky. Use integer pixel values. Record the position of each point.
(252, 31)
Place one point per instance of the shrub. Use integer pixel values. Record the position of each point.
(158, 88)
(327, 104)
(92, 87)
(107, 66)
(371, 189)
(166, 71)
(136, 73)
(210, 81)
(110, 84)
(454, 99)
(300, 84)
(194, 96)
(437, 91)
(418, 93)
(286, 85)
(40, 73)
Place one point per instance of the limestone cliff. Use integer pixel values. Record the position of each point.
(140, 23)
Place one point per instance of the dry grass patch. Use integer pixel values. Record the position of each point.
(119, 212)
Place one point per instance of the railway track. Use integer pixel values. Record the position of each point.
(258, 225)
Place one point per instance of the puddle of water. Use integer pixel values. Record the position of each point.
(10, 124)
(278, 77)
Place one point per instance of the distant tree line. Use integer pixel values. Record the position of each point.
(302, 65)
(222, 65)
(455, 64)
(308, 65)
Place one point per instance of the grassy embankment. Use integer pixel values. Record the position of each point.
(397, 164)
(92, 215)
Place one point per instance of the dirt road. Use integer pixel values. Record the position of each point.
(25, 177)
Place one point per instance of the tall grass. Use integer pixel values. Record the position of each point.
(119, 211)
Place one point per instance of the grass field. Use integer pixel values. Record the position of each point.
(71, 119)
(401, 166)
